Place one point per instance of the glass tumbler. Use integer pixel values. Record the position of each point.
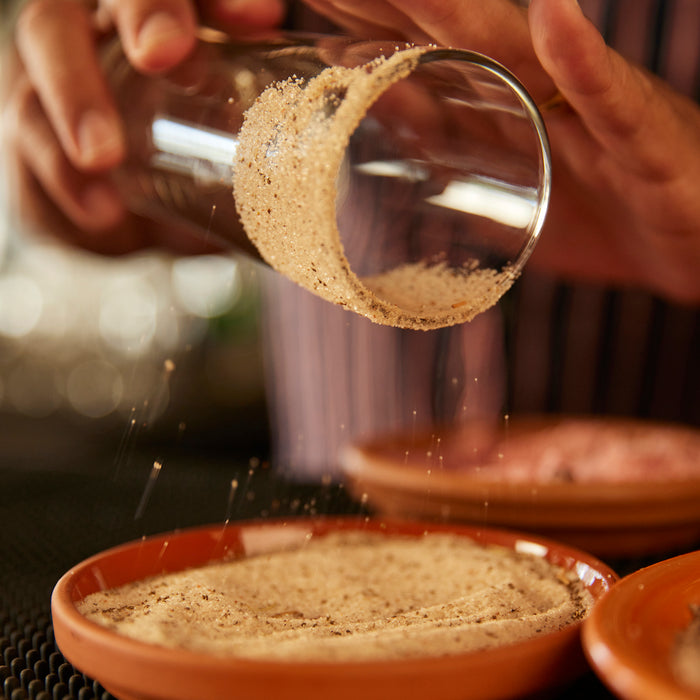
(447, 170)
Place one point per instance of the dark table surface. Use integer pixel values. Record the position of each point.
(64, 497)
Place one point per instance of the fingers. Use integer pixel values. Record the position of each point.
(69, 83)
(43, 216)
(473, 25)
(156, 34)
(131, 234)
(497, 28)
(371, 19)
(62, 126)
(356, 26)
(90, 201)
(625, 109)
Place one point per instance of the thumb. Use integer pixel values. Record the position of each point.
(622, 106)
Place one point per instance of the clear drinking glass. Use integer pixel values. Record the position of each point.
(450, 166)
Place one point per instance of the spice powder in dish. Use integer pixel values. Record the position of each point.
(350, 597)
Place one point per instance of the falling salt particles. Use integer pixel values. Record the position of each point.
(148, 490)
(231, 499)
(291, 147)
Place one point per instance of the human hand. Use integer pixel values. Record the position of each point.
(61, 129)
(626, 147)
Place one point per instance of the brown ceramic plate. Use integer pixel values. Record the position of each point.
(611, 487)
(630, 636)
(131, 669)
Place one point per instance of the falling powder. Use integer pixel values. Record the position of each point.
(292, 144)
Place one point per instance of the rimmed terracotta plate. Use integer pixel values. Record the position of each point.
(613, 487)
(131, 669)
(631, 634)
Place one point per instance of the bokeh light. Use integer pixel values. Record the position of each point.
(94, 388)
(207, 286)
(21, 304)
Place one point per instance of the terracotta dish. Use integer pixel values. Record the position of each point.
(132, 669)
(611, 487)
(630, 635)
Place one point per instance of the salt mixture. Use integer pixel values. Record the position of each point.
(350, 596)
(584, 450)
(291, 147)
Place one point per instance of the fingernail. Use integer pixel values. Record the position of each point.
(102, 204)
(160, 28)
(100, 139)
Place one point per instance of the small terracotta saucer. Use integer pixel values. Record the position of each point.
(630, 636)
(613, 487)
(133, 670)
